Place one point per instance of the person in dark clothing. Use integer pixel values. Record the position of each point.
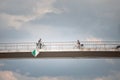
(78, 44)
(40, 43)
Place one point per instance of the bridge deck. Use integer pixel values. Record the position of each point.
(90, 49)
(62, 54)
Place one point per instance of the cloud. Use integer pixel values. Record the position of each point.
(12, 20)
(25, 11)
(98, 18)
(93, 39)
(7, 75)
(74, 20)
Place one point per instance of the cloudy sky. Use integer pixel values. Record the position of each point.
(59, 20)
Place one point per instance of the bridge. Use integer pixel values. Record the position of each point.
(73, 49)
